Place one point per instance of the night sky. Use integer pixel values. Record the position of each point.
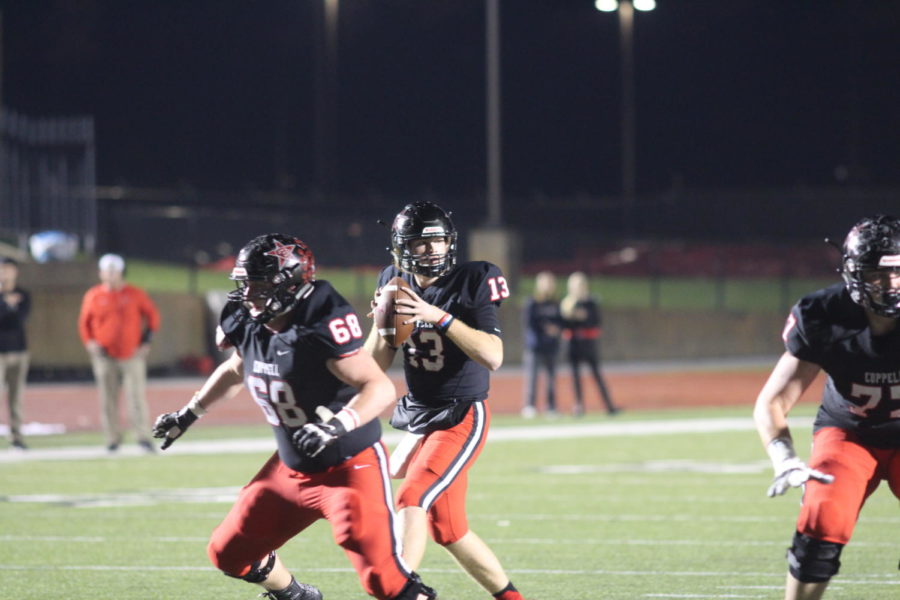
(219, 94)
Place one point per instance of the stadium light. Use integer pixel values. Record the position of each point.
(613, 5)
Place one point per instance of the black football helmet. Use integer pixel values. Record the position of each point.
(870, 253)
(416, 221)
(283, 262)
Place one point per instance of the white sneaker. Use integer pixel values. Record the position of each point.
(528, 412)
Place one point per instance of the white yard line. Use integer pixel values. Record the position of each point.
(498, 434)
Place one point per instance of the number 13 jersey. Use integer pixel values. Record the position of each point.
(438, 372)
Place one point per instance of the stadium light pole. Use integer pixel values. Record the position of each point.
(492, 102)
(625, 10)
(325, 125)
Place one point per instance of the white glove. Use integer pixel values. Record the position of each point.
(790, 471)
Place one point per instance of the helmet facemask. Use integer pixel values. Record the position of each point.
(871, 265)
(273, 273)
(429, 265)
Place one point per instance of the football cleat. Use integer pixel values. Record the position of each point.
(295, 591)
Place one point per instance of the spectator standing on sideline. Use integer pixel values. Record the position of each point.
(543, 326)
(116, 323)
(583, 329)
(447, 361)
(848, 330)
(15, 304)
(298, 349)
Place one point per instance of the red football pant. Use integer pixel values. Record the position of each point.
(279, 503)
(437, 477)
(830, 511)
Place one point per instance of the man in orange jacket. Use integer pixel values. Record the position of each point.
(116, 322)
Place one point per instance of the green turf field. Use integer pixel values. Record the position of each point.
(624, 516)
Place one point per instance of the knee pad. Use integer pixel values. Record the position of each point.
(258, 570)
(415, 590)
(813, 561)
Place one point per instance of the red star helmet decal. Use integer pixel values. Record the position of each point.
(284, 252)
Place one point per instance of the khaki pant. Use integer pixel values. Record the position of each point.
(13, 371)
(112, 376)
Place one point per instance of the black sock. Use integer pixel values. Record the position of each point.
(509, 588)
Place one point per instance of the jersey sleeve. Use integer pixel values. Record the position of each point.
(487, 284)
(387, 273)
(486, 288)
(336, 329)
(801, 332)
(231, 324)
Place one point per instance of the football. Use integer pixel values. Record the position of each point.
(390, 324)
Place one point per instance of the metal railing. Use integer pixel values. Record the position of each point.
(47, 177)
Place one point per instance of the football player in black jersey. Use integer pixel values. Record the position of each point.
(447, 359)
(850, 332)
(298, 350)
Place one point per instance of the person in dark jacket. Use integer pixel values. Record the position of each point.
(543, 326)
(15, 304)
(583, 329)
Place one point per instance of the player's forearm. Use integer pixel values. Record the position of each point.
(784, 387)
(770, 419)
(379, 349)
(224, 382)
(373, 399)
(484, 348)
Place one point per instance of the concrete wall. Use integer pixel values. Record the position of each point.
(53, 330)
(645, 334)
(638, 334)
(649, 335)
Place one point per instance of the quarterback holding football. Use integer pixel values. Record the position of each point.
(447, 358)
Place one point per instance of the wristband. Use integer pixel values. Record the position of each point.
(195, 407)
(444, 323)
(348, 417)
(780, 450)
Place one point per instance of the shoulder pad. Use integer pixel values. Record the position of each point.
(822, 318)
(231, 324)
(484, 282)
(388, 273)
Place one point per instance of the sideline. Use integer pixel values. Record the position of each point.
(497, 434)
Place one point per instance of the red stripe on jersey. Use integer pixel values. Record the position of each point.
(789, 324)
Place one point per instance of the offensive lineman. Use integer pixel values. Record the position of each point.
(298, 349)
(849, 331)
(447, 359)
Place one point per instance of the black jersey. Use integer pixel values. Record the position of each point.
(539, 316)
(862, 392)
(438, 373)
(286, 372)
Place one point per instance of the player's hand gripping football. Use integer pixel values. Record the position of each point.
(313, 438)
(416, 309)
(172, 426)
(790, 471)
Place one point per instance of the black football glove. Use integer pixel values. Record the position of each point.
(172, 425)
(313, 438)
